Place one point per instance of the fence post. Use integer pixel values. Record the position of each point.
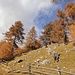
(29, 69)
(59, 72)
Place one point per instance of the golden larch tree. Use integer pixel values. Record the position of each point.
(31, 41)
(15, 35)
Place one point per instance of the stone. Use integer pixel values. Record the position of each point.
(37, 61)
(45, 62)
(38, 50)
(49, 50)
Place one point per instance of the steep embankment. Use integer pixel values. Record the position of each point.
(42, 58)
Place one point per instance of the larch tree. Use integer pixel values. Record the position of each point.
(46, 34)
(70, 10)
(53, 33)
(15, 35)
(68, 14)
(58, 30)
(31, 40)
(68, 19)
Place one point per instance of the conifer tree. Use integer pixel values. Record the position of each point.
(46, 34)
(31, 40)
(53, 33)
(15, 35)
(70, 10)
(68, 19)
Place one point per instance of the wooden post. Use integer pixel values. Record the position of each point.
(59, 72)
(29, 69)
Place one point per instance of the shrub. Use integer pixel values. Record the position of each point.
(6, 51)
(19, 51)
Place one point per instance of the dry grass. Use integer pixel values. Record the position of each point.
(67, 59)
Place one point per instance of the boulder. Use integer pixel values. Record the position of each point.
(45, 62)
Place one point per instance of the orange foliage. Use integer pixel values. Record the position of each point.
(31, 41)
(38, 44)
(67, 18)
(15, 34)
(70, 9)
(19, 51)
(6, 51)
(1, 43)
(72, 30)
(61, 14)
(53, 32)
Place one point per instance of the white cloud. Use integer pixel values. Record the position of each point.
(24, 10)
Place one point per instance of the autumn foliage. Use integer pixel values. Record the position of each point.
(6, 51)
(70, 9)
(61, 30)
(53, 33)
(31, 41)
(15, 35)
(19, 51)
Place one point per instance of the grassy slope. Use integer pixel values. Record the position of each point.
(67, 59)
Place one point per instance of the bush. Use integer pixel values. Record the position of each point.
(19, 51)
(34, 46)
(6, 51)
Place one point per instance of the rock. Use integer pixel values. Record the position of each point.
(38, 50)
(37, 61)
(56, 56)
(22, 66)
(66, 51)
(45, 62)
(38, 65)
(17, 71)
(19, 61)
(64, 67)
(49, 50)
(63, 44)
(23, 53)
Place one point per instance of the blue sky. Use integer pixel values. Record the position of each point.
(31, 12)
(44, 18)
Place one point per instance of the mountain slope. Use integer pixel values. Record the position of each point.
(37, 57)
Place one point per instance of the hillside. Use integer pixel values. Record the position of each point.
(66, 62)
